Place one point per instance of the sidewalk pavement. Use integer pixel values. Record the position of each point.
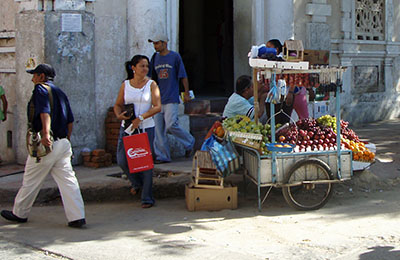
(106, 184)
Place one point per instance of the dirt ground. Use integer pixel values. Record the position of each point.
(359, 222)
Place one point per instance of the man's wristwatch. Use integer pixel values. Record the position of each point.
(141, 118)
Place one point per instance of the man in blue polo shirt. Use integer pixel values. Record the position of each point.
(242, 102)
(49, 116)
(167, 68)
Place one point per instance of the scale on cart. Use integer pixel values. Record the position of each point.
(306, 178)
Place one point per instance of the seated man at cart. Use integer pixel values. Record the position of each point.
(242, 102)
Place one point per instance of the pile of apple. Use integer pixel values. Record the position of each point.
(320, 135)
(307, 135)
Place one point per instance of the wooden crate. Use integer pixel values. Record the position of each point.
(247, 139)
(205, 173)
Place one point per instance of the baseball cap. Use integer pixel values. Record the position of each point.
(43, 68)
(159, 37)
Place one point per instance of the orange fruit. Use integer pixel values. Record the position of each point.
(220, 131)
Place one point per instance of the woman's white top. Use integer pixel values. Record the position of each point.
(141, 98)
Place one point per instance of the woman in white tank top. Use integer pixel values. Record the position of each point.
(144, 94)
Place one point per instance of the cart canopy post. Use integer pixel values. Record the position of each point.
(255, 91)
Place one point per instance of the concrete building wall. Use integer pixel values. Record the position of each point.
(242, 38)
(30, 33)
(110, 56)
(8, 9)
(114, 31)
(145, 18)
(334, 20)
(72, 56)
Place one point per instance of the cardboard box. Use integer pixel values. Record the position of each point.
(317, 57)
(319, 108)
(210, 199)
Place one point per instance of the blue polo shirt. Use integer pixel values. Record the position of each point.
(238, 105)
(170, 70)
(61, 115)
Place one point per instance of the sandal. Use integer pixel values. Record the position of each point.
(134, 191)
(147, 205)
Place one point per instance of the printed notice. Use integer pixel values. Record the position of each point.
(71, 22)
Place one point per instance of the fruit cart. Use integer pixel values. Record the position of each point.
(306, 177)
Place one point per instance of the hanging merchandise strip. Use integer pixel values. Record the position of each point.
(273, 96)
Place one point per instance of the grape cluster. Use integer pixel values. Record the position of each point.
(347, 132)
(328, 121)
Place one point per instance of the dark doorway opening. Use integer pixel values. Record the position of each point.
(206, 45)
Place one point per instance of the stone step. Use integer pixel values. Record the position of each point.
(200, 125)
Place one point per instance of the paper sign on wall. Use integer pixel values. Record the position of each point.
(71, 22)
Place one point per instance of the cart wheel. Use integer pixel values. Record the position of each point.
(308, 196)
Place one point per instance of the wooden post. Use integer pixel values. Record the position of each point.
(255, 90)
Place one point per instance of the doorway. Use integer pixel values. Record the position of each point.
(206, 45)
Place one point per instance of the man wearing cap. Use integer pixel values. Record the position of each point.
(49, 117)
(166, 68)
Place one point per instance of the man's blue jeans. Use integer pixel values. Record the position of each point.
(139, 180)
(167, 122)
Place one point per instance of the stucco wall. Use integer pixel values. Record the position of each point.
(335, 20)
(30, 33)
(242, 40)
(7, 80)
(110, 55)
(396, 20)
(145, 19)
(72, 56)
(8, 9)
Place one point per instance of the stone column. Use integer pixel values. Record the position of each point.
(318, 31)
(347, 25)
(272, 19)
(258, 22)
(279, 20)
(146, 18)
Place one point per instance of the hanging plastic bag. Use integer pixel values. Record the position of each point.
(223, 155)
(273, 95)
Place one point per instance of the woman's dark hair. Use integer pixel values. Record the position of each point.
(277, 44)
(133, 62)
(242, 83)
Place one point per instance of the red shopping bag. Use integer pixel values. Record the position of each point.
(138, 152)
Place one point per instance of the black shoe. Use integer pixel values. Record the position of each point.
(160, 162)
(189, 153)
(7, 214)
(77, 223)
